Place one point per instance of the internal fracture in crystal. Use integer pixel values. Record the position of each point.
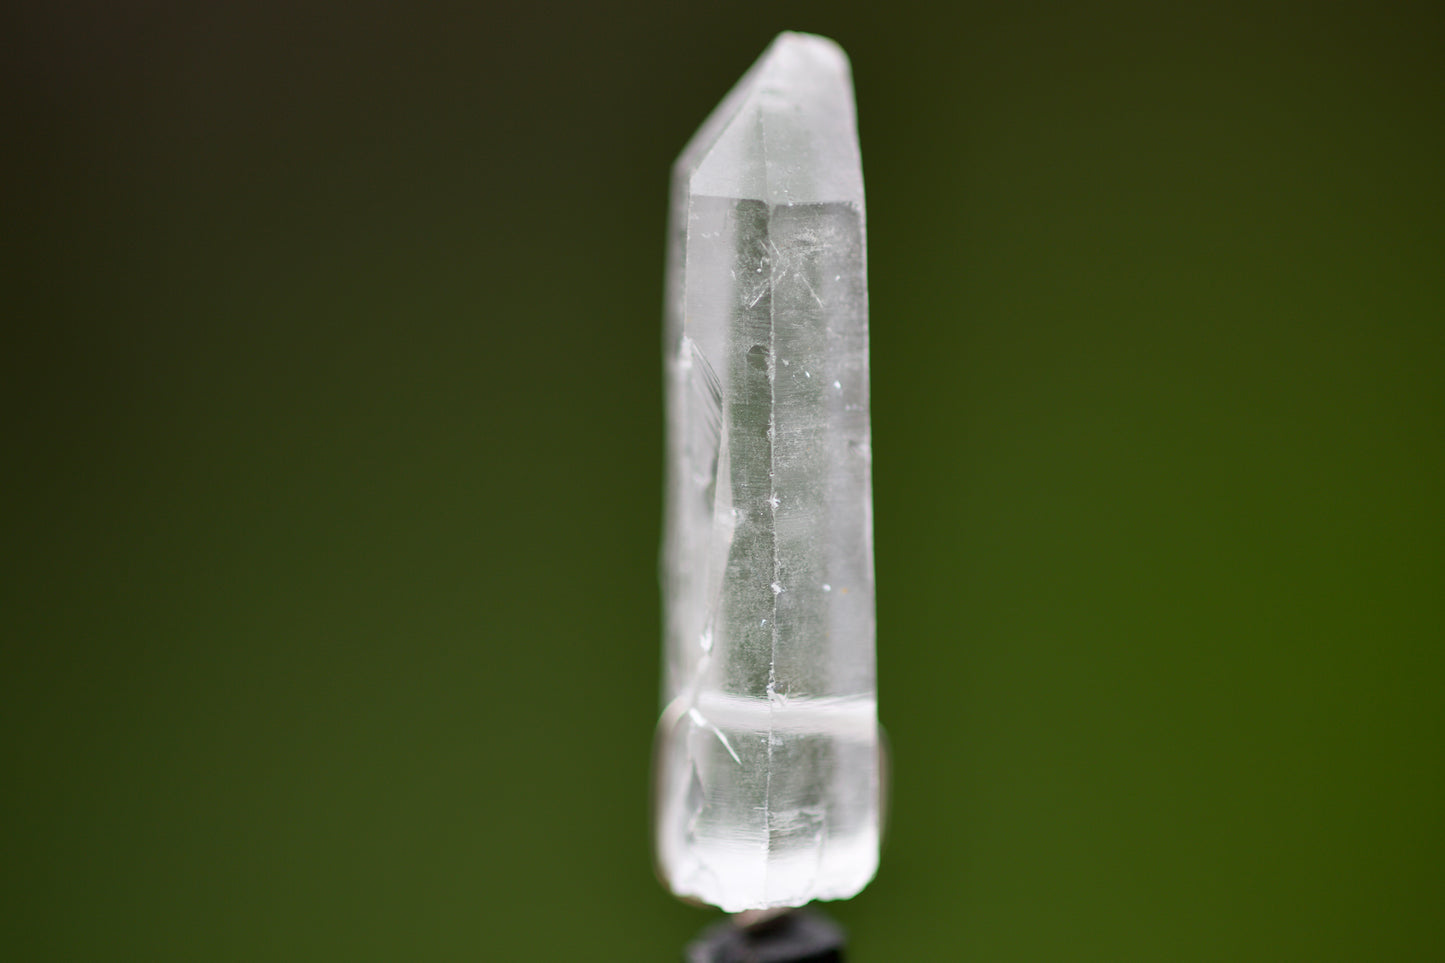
(767, 777)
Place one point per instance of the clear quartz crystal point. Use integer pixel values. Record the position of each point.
(767, 770)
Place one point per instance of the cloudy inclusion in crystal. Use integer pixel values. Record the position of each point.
(767, 764)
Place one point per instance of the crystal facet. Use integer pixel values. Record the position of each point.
(767, 776)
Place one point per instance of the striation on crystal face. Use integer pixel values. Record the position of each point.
(766, 768)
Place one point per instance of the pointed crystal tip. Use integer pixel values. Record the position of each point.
(786, 134)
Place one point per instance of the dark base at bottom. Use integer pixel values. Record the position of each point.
(799, 936)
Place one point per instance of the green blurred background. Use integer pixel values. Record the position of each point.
(333, 476)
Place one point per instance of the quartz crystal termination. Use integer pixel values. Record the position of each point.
(766, 768)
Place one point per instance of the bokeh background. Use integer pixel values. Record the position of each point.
(332, 435)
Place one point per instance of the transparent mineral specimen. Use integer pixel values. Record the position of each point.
(767, 784)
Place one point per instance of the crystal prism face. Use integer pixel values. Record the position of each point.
(767, 777)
